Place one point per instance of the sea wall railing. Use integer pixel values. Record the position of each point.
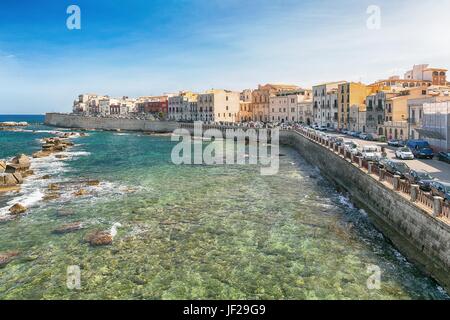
(433, 205)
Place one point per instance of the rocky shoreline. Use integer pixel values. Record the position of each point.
(15, 171)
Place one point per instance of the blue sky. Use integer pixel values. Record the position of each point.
(149, 47)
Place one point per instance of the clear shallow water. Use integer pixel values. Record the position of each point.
(195, 232)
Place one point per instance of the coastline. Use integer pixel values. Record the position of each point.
(409, 240)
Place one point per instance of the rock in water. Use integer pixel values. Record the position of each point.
(7, 257)
(51, 196)
(80, 192)
(99, 238)
(18, 177)
(22, 161)
(93, 182)
(2, 166)
(17, 209)
(41, 154)
(53, 187)
(70, 227)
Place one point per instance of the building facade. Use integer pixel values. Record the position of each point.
(284, 105)
(261, 99)
(351, 94)
(325, 104)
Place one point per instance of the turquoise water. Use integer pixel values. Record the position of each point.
(192, 232)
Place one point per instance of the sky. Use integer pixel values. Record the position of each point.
(144, 47)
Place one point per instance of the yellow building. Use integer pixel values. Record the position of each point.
(395, 124)
(351, 94)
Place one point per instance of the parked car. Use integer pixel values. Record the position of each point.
(337, 140)
(371, 137)
(404, 153)
(421, 178)
(363, 136)
(393, 143)
(440, 189)
(444, 156)
(371, 153)
(420, 149)
(395, 167)
(349, 146)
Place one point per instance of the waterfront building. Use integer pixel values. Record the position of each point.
(351, 94)
(245, 113)
(183, 107)
(261, 99)
(284, 105)
(375, 110)
(83, 103)
(436, 76)
(394, 83)
(153, 104)
(357, 118)
(325, 104)
(218, 105)
(306, 112)
(395, 124)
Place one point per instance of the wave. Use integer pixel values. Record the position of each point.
(33, 188)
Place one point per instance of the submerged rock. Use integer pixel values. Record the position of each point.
(28, 173)
(7, 257)
(69, 227)
(93, 182)
(53, 187)
(46, 177)
(80, 193)
(100, 238)
(7, 218)
(17, 209)
(60, 156)
(51, 196)
(41, 154)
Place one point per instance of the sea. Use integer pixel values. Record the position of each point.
(189, 231)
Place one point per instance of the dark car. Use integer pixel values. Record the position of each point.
(395, 167)
(421, 149)
(441, 189)
(426, 153)
(421, 178)
(444, 156)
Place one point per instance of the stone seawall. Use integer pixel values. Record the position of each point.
(422, 238)
(75, 121)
